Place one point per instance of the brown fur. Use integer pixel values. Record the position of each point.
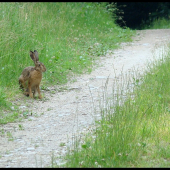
(25, 76)
(33, 75)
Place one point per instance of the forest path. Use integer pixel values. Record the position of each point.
(56, 119)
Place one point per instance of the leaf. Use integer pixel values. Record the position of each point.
(87, 145)
(84, 146)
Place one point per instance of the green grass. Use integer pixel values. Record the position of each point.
(160, 23)
(136, 133)
(67, 36)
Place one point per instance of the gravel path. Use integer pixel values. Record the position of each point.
(62, 114)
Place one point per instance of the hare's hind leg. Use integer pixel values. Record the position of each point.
(26, 92)
(22, 82)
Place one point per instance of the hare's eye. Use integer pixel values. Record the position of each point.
(39, 64)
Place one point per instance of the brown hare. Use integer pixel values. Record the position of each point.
(33, 75)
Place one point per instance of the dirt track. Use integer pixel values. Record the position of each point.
(64, 113)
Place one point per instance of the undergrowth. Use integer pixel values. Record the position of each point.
(160, 23)
(68, 37)
(135, 133)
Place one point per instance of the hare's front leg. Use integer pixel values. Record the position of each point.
(29, 90)
(39, 93)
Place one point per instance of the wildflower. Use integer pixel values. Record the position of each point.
(96, 163)
(139, 144)
(80, 163)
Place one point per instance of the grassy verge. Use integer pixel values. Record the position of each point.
(160, 23)
(68, 37)
(135, 134)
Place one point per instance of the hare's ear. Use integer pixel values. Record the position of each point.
(32, 55)
(36, 55)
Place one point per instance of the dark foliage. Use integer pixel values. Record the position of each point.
(136, 14)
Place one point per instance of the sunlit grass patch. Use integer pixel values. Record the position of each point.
(160, 23)
(68, 37)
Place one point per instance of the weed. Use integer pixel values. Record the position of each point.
(25, 114)
(20, 127)
(62, 144)
(48, 109)
(36, 115)
(2, 131)
(9, 136)
(36, 145)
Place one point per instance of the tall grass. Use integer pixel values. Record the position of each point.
(67, 36)
(160, 23)
(136, 133)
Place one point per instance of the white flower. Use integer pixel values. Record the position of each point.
(139, 144)
(96, 163)
(80, 163)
